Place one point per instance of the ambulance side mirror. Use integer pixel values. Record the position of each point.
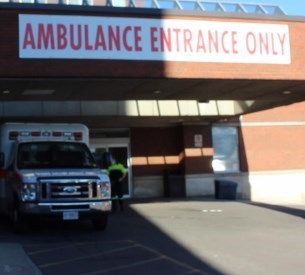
(1, 159)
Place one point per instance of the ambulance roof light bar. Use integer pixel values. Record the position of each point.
(15, 135)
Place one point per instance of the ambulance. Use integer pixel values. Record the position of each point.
(48, 171)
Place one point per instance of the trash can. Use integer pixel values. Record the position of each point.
(225, 189)
(173, 184)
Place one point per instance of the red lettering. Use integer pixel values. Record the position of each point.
(88, 46)
(114, 38)
(153, 39)
(234, 43)
(177, 32)
(100, 39)
(282, 41)
(251, 42)
(76, 45)
(125, 40)
(213, 41)
(138, 39)
(29, 39)
(223, 44)
(200, 42)
(187, 40)
(165, 40)
(62, 42)
(263, 42)
(274, 51)
(45, 37)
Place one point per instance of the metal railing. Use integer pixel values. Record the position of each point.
(205, 6)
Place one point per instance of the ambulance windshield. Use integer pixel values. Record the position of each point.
(47, 154)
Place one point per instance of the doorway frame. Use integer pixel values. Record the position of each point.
(116, 142)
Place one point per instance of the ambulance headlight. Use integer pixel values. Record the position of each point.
(105, 189)
(28, 192)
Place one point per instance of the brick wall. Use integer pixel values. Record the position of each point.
(11, 65)
(198, 159)
(154, 150)
(274, 139)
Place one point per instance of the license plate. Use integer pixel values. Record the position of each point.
(70, 215)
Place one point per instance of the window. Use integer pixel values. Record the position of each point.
(49, 154)
(225, 143)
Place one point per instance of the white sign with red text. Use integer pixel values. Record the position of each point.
(87, 37)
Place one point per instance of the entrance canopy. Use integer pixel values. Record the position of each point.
(138, 67)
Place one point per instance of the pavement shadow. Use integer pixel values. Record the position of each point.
(130, 245)
(284, 209)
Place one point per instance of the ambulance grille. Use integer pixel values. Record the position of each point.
(68, 190)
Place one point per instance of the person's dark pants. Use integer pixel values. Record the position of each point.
(117, 195)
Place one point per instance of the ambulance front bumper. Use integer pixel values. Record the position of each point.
(66, 210)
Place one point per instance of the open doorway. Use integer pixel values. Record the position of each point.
(119, 149)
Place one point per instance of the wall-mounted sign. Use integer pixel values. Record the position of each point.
(198, 141)
(88, 37)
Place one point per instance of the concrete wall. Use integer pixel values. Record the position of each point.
(275, 187)
(148, 187)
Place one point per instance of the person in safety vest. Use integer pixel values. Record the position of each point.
(117, 173)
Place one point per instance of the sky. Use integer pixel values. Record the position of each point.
(290, 7)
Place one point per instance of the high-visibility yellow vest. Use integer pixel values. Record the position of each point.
(117, 166)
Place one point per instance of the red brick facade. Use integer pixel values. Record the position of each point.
(274, 139)
(153, 146)
(12, 66)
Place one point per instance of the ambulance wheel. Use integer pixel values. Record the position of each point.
(100, 223)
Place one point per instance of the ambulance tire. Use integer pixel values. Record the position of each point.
(100, 223)
(19, 223)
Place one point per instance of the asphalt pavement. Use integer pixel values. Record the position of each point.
(14, 260)
(167, 236)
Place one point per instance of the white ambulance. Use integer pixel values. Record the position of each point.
(48, 171)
